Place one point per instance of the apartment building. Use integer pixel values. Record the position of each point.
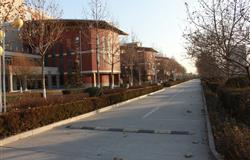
(141, 60)
(83, 43)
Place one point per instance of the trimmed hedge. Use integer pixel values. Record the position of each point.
(229, 115)
(73, 91)
(26, 119)
(234, 141)
(237, 82)
(94, 91)
(27, 102)
(237, 103)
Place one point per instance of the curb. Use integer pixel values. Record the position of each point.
(211, 142)
(67, 121)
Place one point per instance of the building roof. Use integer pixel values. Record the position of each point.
(148, 49)
(138, 46)
(90, 23)
(161, 58)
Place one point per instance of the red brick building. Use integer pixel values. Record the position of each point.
(75, 53)
(142, 59)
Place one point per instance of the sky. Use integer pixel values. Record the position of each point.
(156, 23)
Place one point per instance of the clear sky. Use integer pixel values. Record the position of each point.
(156, 23)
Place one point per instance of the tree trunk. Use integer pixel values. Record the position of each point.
(139, 76)
(131, 76)
(43, 79)
(112, 77)
(97, 58)
(248, 73)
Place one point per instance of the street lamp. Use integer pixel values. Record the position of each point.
(17, 23)
(2, 34)
(1, 51)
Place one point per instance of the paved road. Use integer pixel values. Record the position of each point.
(176, 113)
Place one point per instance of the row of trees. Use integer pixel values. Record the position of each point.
(133, 70)
(218, 37)
(169, 68)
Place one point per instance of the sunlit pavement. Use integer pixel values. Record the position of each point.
(169, 125)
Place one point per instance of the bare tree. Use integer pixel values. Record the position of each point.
(129, 57)
(162, 66)
(10, 9)
(97, 12)
(207, 67)
(23, 67)
(111, 54)
(43, 32)
(174, 67)
(220, 29)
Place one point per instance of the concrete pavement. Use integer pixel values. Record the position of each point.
(160, 118)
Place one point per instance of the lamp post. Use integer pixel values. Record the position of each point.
(17, 23)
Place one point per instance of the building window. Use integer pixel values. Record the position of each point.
(69, 64)
(77, 43)
(109, 51)
(53, 58)
(77, 39)
(8, 60)
(61, 79)
(61, 64)
(46, 60)
(53, 80)
(103, 48)
(68, 43)
(98, 49)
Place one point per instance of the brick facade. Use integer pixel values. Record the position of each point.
(143, 61)
(76, 51)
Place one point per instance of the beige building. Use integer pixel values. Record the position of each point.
(14, 49)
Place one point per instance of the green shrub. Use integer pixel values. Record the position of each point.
(166, 84)
(94, 91)
(73, 91)
(99, 102)
(234, 142)
(54, 92)
(213, 86)
(237, 82)
(23, 120)
(237, 103)
(27, 102)
(113, 91)
(229, 112)
(114, 98)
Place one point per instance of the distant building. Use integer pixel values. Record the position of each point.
(142, 59)
(238, 55)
